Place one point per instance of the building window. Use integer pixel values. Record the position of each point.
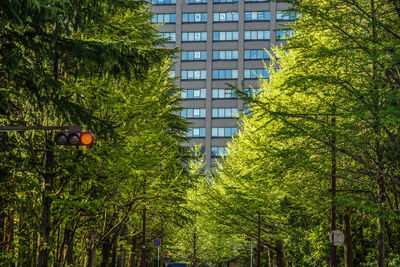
(172, 74)
(255, 73)
(256, 54)
(219, 151)
(256, 16)
(168, 35)
(224, 93)
(225, 55)
(194, 36)
(225, 74)
(197, 1)
(256, 35)
(194, 17)
(194, 55)
(252, 91)
(194, 93)
(226, 16)
(225, 36)
(193, 113)
(225, 1)
(224, 112)
(256, 1)
(224, 132)
(163, 2)
(286, 15)
(196, 132)
(193, 74)
(283, 35)
(164, 18)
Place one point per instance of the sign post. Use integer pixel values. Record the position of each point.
(157, 243)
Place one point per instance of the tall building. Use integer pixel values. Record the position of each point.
(223, 42)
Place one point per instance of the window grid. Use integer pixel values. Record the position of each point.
(194, 17)
(256, 54)
(224, 74)
(225, 36)
(194, 93)
(163, 2)
(252, 91)
(218, 151)
(197, 1)
(257, 16)
(283, 35)
(224, 132)
(194, 55)
(286, 15)
(193, 74)
(224, 112)
(225, 1)
(255, 73)
(196, 132)
(256, 35)
(164, 18)
(194, 36)
(224, 93)
(226, 16)
(193, 113)
(170, 35)
(225, 55)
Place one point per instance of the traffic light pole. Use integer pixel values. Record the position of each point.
(48, 163)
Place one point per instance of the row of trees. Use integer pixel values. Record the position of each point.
(98, 64)
(330, 108)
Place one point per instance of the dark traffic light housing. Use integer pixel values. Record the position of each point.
(74, 138)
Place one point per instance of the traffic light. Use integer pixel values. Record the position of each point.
(74, 138)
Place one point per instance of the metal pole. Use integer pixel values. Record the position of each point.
(76, 128)
(333, 191)
(158, 257)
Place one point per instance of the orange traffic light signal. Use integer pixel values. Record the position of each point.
(74, 138)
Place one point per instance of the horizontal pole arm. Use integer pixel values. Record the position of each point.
(76, 128)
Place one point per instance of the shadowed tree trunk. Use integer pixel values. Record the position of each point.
(348, 249)
(279, 255)
(270, 258)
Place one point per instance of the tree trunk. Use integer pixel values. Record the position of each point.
(279, 255)
(105, 253)
(270, 258)
(143, 254)
(90, 257)
(348, 248)
(132, 252)
(69, 247)
(258, 240)
(114, 253)
(194, 259)
(45, 222)
(8, 233)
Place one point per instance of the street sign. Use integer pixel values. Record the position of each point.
(336, 237)
(157, 242)
(165, 253)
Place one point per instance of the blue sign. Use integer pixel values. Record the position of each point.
(157, 242)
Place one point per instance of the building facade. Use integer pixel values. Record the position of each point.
(222, 43)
